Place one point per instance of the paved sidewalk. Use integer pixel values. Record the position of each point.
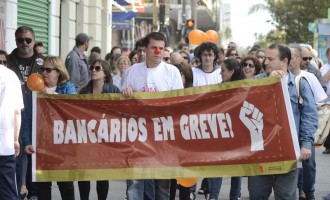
(118, 188)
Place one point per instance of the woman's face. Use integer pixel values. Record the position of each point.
(123, 65)
(225, 73)
(249, 69)
(97, 71)
(261, 56)
(50, 74)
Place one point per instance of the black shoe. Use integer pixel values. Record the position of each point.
(302, 195)
(310, 198)
(326, 151)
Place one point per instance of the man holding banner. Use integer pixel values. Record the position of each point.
(153, 75)
(278, 58)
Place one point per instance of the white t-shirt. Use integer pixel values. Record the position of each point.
(11, 99)
(140, 78)
(202, 78)
(318, 91)
(324, 69)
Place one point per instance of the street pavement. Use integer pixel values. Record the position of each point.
(117, 189)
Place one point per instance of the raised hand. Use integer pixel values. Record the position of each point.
(252, 118)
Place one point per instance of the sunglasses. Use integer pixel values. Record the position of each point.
(3, 62)
(185, 57)
(97, 68)
(234, 54)
(248, 64)
(48, 70)
(166, 58)
(307, 58)
(21, 40)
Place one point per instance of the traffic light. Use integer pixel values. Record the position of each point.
(190, 23)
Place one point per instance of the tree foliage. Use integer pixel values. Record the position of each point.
(291, 18)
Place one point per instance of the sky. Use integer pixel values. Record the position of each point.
(244, 25)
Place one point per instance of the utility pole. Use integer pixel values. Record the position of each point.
(155, 16)
(194, 12)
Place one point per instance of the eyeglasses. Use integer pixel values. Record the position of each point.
(235, 54)
(166, 58)
(248, 64)
(21, 40)
(97, 68)
(3, 62)
(307, 58)
(48, 70)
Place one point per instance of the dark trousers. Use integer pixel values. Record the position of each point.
(327, 142)
(31, 186)
(45, 190)
(8, 188)
(102, 188)
(184, 191)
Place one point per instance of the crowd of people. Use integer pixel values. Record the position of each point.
(152, 67)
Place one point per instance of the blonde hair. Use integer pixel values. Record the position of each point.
(60, 67)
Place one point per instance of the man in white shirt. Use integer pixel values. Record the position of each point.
(307, 174)
(11, 103)
(152, 75)
(325, 71)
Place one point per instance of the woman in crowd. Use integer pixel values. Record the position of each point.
(101, 82)
(230, 71)
(232, 53)
(122, 64)
(187, 80)
(56, 78)
(133, 57)
(251, 66)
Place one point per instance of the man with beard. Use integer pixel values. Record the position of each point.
(24, 61)
(76, 62)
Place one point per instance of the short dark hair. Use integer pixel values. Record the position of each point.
(138, 44)
(23, 29)
(96, 49)
(155, 36)
(284, 51)
(113, 48)
(208, 46)
(182, 44)
(233, 64)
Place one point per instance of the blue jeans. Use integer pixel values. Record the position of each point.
(158, 189)
(215, 186)
(260, 187)
(307, 174)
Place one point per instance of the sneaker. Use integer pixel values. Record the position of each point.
(326, 151)
(302, 195)
(310, 198)
(192, 196)
(201, 191)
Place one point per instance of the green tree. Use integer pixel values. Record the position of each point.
(291, 18)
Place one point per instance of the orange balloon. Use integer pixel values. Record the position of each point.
(187, 182)
(197, 37)
(35, 82)
(213, 36)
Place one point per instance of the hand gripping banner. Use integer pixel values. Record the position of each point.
(241, 128)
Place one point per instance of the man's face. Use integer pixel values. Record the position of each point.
(295, 61)
(186, 49)
(207, 58)
(154, 51)
(166, 57)
(306, 57)
(116, 51)
(273, 61)
(86, 45)
(25, 43)
(141, 54)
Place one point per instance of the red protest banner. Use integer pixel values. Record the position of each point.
(233, 129)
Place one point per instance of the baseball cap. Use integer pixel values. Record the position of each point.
(82, 37)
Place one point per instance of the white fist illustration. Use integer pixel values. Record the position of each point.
(254, 123)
